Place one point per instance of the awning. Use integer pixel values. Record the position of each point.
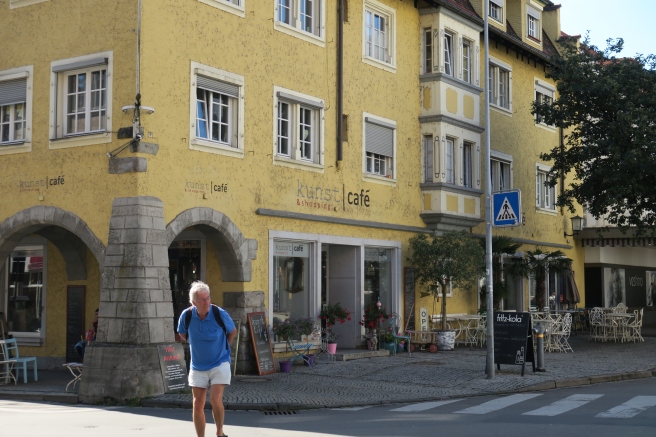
(572, 295)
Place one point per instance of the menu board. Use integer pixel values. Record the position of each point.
(75, 303)
(261, 343)
(513, 339)
(173, 365)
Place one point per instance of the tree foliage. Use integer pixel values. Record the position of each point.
(537, 264)
(454, 258)
(501, 245)
(607, 106)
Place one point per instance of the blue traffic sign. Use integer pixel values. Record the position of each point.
(507, 208)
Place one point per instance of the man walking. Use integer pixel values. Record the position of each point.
(209, 340)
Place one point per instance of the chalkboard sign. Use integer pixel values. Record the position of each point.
(75, 326)
(261, 344)
(174, 368)
(513, 339)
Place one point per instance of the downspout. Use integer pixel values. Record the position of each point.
(340, 83)
(562, 151)
(138, 78)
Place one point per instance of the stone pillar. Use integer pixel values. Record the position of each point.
(136, 311)
(238, 304)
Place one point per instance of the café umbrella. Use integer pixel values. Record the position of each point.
(572, 295)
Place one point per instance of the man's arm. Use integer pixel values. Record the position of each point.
(183, 337)
(232, 335)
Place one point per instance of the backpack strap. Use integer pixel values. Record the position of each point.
(217, 317)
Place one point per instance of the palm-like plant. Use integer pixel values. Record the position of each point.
(538, 264)
(501, 245)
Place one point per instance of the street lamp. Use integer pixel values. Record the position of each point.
(577, 226)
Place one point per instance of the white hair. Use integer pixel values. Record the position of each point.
(195, 288)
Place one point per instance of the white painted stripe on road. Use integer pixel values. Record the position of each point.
(629, 408)
(563, 405)
(352, 408)
(424, 406)
(498, 404)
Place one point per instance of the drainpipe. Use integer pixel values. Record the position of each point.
(340, 83)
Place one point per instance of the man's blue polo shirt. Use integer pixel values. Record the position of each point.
(207, 341)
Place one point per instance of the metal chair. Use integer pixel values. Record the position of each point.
(6, 372)
(564, 332)
(11, 353)
(395, 324)
(635, 326)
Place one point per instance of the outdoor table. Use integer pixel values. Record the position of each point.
(464, 323)
(620, 320)
(76, 371)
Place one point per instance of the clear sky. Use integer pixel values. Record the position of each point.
(632, 20)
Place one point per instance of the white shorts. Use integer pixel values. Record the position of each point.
(205, 378)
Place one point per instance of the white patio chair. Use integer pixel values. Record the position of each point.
(564, 332)
(596, 316)
(620, 308)
(634, 327)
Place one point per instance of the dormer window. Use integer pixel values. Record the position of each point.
(496, 10)
(533, 23)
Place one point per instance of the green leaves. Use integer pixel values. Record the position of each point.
(608, 103)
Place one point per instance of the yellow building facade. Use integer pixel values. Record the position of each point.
(280, 155)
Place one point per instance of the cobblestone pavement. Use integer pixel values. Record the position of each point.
(425, 376)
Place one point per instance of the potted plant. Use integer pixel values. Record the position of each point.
(285, 330)
(452, 259)
(373, 316)
(388, 340)
(332, 314)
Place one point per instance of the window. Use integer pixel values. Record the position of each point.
(467, 164)
(496, 10)
(466, 60)
(216, 117)
(428, 158)
(13, 98)
(26, 293)
(450, 176)
(303, 18)
(299, 129)
(291, 286)
(82, 105)
(544, 93)
(379, 146)
(379, 33)
(448, 53)
(19, 3)
(500, 173)
(499, 86)
(533, 23)
(428, 50)
(233, 6)
(545, 196)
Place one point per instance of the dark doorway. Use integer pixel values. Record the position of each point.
(184, 268)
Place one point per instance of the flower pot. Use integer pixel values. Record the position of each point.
(390, 346)
(446, 340)
(400, 347)
(331, 348)
(308, 360)
(285, 366)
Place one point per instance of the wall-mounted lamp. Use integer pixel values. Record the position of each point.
(577, 226)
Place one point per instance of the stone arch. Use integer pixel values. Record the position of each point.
(65, 230)
(233, 250)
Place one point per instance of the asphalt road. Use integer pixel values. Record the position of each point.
(625, 408)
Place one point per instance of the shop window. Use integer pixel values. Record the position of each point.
(378, 277)
(26, 294)
(291, 286)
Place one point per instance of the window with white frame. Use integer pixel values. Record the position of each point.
(82, 97)
(496, 10)
(299, 127)
(303, 15)
(533, 23)
(379, 146)
(447, 43)
(379, 32)
(235, 7)
(216, 117)
(428, 158)
(449, 160)
(500, 83)
(500, 173)
(545, 195)
(428, 50)
(544, 93)
(466, 60)
(13, 104)
(20, 3)
(467, 164)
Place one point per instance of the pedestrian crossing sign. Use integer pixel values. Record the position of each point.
(507, 208)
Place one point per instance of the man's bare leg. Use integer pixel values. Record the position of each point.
(218, 412)
(198, 411)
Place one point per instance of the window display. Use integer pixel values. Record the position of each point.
(378, 276)
(25, 301)
(291, 264)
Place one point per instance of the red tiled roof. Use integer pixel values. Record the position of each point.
(460, 5)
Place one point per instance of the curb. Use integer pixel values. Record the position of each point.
(63, 398)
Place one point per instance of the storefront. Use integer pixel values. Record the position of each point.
(310, 270)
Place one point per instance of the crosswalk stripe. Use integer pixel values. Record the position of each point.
(563, 405)
(497, 404)
(424, 406)
(352, 408)
(629, 408)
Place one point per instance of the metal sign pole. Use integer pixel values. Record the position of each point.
(489, 366)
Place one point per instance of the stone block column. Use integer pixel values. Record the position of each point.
(136, 311)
